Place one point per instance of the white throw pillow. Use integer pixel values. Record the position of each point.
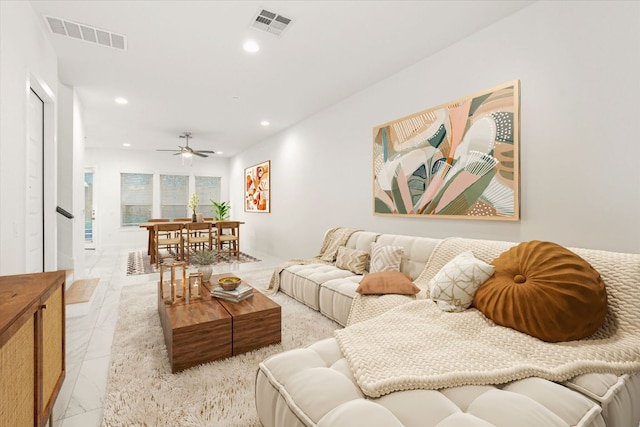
(454, 286)
(385, 258)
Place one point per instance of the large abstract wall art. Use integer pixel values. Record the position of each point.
(457, 160)
(256, 188)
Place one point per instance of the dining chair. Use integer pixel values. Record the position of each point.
(159, 220)
(185, 220)
(227, 238)
(150, 242)
(214, 230)
(169, 236)
(197, 236)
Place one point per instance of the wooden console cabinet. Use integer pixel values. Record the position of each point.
(32, 347)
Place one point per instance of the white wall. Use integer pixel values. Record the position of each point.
(26, 59)
(78, 188)
(110, 163)
(71, 181)
(65, 177)
(578, 63)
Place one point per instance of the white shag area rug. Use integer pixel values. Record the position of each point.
(142, 391)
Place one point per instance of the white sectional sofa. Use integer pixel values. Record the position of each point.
(315, 386)
(330, 290)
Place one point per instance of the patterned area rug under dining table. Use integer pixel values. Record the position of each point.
(138, 262)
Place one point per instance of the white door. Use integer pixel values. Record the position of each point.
(35, 194)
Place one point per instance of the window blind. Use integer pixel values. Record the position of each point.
(174, 196)
(136, 198)
(208, 189)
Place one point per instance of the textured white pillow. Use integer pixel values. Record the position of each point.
(385, 258)
(454, 286)
(353, 260)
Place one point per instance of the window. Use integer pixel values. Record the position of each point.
(174, 196)
(208, 189)
(136, 198)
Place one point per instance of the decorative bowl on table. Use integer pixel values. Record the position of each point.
(229, 283)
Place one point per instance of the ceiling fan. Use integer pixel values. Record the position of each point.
(187, 151)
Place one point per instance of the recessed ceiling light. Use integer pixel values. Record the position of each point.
(265, 123)
(120, 100)
(126, 144)
(251, 46)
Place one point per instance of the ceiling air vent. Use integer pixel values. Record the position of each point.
(270, 22)
(86, 33)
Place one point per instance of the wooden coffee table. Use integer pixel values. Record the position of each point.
(209, 329)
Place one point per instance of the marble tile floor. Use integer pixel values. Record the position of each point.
(88, 338)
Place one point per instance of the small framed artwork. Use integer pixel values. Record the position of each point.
(256, 188)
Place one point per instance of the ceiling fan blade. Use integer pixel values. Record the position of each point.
(178, 153)
(166, 150)
(207, 151)
(198, 153)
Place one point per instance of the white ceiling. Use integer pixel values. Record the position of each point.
(185, 69)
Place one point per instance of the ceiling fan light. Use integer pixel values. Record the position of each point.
(187, 154)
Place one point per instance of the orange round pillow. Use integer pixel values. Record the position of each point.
(544, 290)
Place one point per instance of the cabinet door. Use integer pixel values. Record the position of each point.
(52, 348)
(18, 377)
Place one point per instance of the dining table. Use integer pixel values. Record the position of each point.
(150, 226)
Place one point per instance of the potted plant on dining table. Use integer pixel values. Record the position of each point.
(221, 210)
(193, 205)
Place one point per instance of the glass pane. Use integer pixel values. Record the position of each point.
(133, 215)
(175, 211)
(88, 207)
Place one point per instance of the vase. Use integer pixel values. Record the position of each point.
(206, 271)
(194, 218)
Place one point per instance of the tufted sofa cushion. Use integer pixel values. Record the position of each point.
(313, 386)
(302, 282)
(336, 297)
(416, 251)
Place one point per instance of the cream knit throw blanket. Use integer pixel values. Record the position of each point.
(418, 346)
(333, 239)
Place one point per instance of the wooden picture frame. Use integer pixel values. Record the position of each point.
(257, 194)
(457, 160)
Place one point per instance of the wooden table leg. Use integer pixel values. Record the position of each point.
(151, 247)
